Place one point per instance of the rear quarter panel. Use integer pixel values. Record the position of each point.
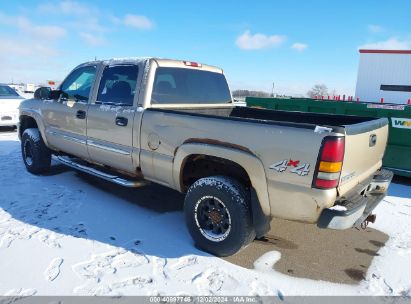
(289, 149)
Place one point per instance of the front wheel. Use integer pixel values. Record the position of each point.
(218, 215)
(36, 156)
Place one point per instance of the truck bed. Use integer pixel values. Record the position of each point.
(351, 124)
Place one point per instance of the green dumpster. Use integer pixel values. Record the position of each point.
(398, 154)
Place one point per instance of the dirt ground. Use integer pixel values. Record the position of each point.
(318, 254)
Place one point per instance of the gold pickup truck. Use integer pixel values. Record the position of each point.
(131, 121)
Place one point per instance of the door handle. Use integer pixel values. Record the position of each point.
(121, 121)
(81, 114)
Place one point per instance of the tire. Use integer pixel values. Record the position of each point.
(36, 156)
(218, 215)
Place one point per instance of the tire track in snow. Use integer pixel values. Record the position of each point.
(213, 280)
(17, 293)
(158, 267)
(97, 270)
(184, 262)
(93, 288)
(53, 271)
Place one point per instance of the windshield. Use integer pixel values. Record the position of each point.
(6, 91)
(184, 86)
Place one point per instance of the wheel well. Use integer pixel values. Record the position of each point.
(26, 122)
(198, 166)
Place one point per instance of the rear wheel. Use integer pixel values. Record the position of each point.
(36, 156)
(218, 215)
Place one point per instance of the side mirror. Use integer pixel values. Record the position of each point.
(55, 94)
(42, 93)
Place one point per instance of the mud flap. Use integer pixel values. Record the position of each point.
(261, 222)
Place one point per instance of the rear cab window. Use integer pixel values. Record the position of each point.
(189, 86)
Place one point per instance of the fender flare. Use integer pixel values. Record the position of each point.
(37, 118)
(251, 164)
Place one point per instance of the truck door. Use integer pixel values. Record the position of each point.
(110, 118)
(65, 118)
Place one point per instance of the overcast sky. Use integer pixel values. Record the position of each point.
(294, 44)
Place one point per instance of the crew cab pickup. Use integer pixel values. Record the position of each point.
(135, 121)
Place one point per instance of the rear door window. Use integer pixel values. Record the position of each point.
(118, 85)
(185, 86)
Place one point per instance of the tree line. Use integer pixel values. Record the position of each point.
(317, 90)
(248, 93)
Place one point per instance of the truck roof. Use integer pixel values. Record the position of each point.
(162, 62)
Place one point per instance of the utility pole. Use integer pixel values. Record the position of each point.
(272, 91)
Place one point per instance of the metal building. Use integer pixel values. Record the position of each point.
(384, 74)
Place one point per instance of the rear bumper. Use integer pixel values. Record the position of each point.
(352, 211)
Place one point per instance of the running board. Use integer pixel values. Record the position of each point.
(108, 177)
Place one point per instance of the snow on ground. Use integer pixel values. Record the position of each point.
(65, 234)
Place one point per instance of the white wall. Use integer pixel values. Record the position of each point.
(381, 68)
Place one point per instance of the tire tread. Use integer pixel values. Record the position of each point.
(242, 204)
(41, 154)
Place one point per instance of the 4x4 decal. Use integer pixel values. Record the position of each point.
(295, 167)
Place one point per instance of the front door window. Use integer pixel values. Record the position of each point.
(78, 84)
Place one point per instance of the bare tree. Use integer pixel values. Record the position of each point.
(318, 90)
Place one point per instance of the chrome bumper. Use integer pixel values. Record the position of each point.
(354, 210)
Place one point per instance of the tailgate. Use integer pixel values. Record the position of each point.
(364, 149)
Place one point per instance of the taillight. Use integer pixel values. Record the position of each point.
(329, 163)
(193, 64)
